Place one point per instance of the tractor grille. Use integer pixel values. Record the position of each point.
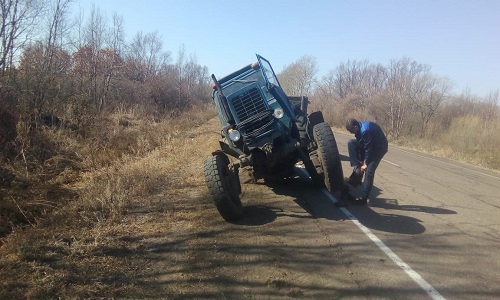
(248, 104)
(257, 124)
(252, 113)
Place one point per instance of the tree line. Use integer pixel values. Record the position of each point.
(404, 96)
(60, 70)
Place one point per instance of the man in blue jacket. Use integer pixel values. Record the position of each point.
(365, 153)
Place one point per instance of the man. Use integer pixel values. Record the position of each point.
(365, 153)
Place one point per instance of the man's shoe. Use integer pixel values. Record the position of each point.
(361, 201)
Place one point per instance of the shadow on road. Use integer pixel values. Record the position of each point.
(390, 222)
(387, 222)
(393, 204)
(317, 205)
(257, 215)
(344, 157)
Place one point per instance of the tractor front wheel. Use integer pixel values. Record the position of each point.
(223, 186)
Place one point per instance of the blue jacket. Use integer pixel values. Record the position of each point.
(373, 139)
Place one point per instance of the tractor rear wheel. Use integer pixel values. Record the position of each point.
(329, 157)
(315, 171)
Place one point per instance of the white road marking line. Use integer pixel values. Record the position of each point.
(432, 292)
(391, 163)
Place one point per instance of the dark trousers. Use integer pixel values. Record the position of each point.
(356, 157)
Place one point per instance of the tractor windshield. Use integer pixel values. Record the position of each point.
(268, 71)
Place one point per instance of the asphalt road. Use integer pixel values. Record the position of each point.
(440, 218)
(430, 231)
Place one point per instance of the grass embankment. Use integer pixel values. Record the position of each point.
(468, 140)
(96, 227)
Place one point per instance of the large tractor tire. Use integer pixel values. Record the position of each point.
(329, 157)
(224, 186)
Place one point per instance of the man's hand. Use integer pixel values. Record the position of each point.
(364, 166)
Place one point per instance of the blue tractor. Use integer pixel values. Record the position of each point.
(266, 133)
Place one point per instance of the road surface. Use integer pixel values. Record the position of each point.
(440, 217)
(430, 231)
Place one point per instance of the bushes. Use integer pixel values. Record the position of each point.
(99, 158)
(8, 121)
(465, 128)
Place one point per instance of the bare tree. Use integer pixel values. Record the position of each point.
(355, 88)
(196, 80)
(99, 60)
(426, 94)
(56, 62)
(326, 88)
(94, 41)
(354, 79)
(180, 65)
(191, 77)
(112, 60)
(19, 18)
(42, 66)
(145, 56)
(349, 77)
(38, 78)
(298, 78)
(400, 77)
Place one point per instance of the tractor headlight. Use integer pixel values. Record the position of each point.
(234, 135)
(278, 113)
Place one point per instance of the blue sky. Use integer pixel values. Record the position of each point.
(459, 39)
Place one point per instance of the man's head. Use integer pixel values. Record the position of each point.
(352, 125)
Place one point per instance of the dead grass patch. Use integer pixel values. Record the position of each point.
(131, 205)
(468, 140)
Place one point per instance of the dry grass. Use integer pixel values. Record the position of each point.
(154, 160)
(468, 140)
(139, 185)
